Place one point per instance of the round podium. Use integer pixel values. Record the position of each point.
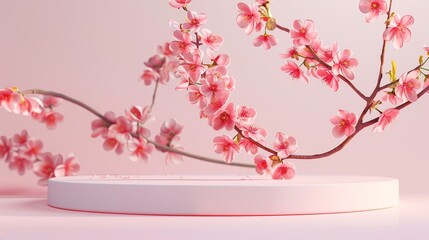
(221, 195)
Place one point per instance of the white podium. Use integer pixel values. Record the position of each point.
(221, 195)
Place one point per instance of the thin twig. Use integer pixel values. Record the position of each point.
(383, 50)
(154, 95)
(285, 29)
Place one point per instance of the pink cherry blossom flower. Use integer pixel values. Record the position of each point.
(283, 171)
(162, 140)
(344, 123)
(225, 118)
(51, 102)
(6, 148)
(142, 132)
(117, 136)
(194, 21)
(246, 114)
(385, 119)
(408, 84)
(266, 40)
(211, 86)
(33, 148)
(249, 17)
(172, 157)
(391, 97)
(20, 163)
(285, 145)
(230, 83)
(220, 72)
(328, 77)
(138, 114)
(111, 142)
(69, 167)
(100, 127)
(174, 25)
(249, 130)
(294, 71)
(343, 63)
(399, 31)
(226, 145)
(155, 62)
(195, 96)
(373, 9)
(193, 64)
(183, 43)
(215, 104)
(51, 119)
(149, 76)
(179, 3)
(219, 60)
(165, 50)
(122, 127)
(20, 139)
(171, 129)
(249, 146)
(140, 149)
(291, 53)
(303, 33)
(9, 98)
(211, 40)
(261, 165)
(184, 80)
(327, 54)
(166, 70)
(45, 167)
(305, 51)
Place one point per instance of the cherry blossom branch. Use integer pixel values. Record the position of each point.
(351, 85)
(359, 127)
(69, 99)
(157, 145)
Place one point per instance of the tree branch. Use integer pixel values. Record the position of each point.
(158, 146)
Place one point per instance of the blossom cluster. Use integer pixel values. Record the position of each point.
(40, 109)
(130, 132)
(255, 17)
(203, 73)
(308, 57)
(23, 153)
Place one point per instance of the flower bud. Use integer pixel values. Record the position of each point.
(271, 24)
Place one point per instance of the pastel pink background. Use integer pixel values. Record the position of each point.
(94, 50)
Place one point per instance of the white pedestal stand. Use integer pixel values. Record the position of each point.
(221, 195)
